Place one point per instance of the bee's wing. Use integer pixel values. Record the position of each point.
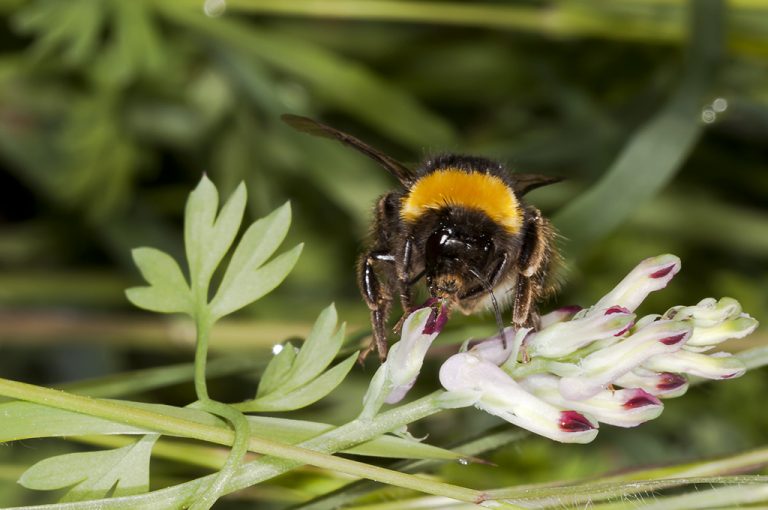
(307, 125)
(523, 183)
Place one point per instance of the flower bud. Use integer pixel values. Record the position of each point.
(398, 374)
(707, 312)
(720, 365)
(708, 336)
(493, 348)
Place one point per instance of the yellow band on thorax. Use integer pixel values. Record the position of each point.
(474, 190)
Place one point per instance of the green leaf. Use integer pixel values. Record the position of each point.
(258, 243)
(302, 396)
(318, 350)
(292, 381)
(168, 291)
(655, 153)
(277, 370)
(254, 285)
(400, 448)
(199, 215)
(120, 472)
(207, 237)
(26, 420)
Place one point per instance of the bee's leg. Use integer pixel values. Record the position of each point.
(404, 279)
(524, 313)
(378, 297)
(521, 313)
(536, 244)
(532, 263)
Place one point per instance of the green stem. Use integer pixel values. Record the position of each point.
(207, 495)
(248, 474)
(201, 354)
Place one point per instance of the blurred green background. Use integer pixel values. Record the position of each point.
(655, 112)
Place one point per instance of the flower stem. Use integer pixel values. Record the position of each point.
(282, 457)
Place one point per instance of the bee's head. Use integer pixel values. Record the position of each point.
(452, 255)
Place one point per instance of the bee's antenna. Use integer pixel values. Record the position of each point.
(497, 312)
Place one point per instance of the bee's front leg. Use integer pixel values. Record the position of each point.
(378, 297)
(533, 263)
(405, 278)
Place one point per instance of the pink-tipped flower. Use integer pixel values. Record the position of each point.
(495, 392)
(603, 367)
(660, 384)
(407, 356)
(397, 375)
(621, 408)
(581, 367)
(563, 338)
(650, 275)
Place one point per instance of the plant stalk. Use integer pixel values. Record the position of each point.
(282, 458)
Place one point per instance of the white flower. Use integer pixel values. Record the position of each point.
(601, 368)
(659, 384)
(651, 274)
(396, 376)
(599, 364)
(583, 366)
(563, 338)
(622, 408)
(495, 392)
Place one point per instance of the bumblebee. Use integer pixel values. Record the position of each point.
(459, 223)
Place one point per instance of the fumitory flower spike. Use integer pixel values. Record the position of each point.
(583, 366)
